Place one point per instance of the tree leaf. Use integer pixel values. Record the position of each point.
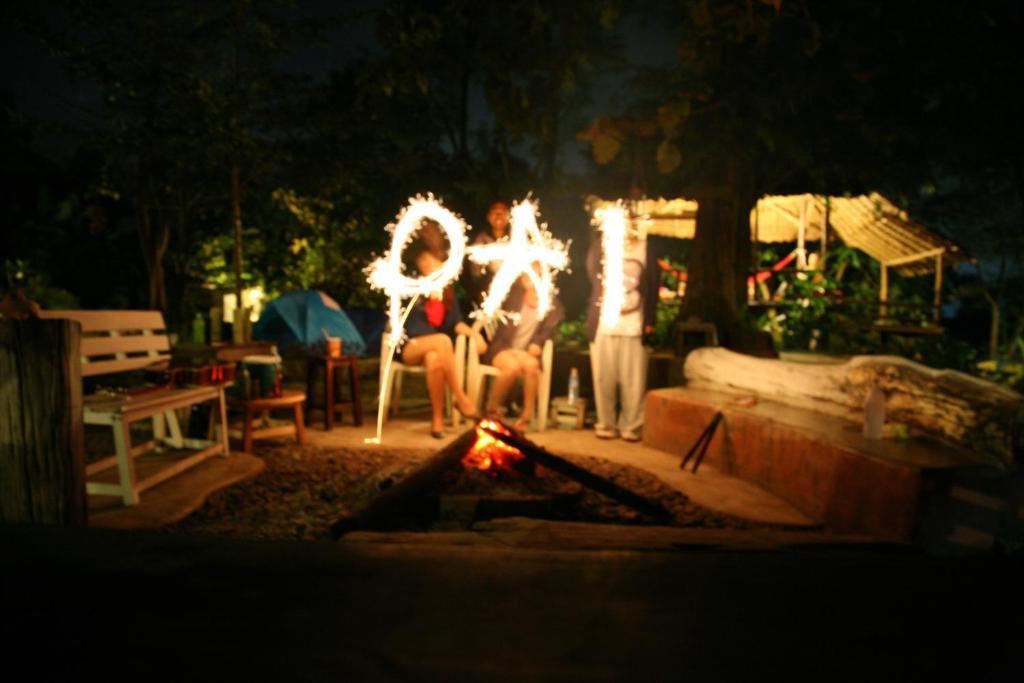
(669, 157)
(605, 148)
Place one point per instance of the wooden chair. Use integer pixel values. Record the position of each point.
(477, 374)
(123, 341)
(393, 383)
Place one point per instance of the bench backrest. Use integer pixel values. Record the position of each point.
(118, 341)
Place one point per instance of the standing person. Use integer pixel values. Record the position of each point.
(498, 216)
(431, 325)
(516, 348)
(618, 358)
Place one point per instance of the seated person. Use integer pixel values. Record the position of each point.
(516, 347)
(479, 280)
(431, 325)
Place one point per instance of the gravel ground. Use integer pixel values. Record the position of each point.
(304, 490)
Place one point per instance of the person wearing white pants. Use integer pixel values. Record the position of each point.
(618, 358)
(619, 365)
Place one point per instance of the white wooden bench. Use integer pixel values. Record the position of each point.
(122, 341)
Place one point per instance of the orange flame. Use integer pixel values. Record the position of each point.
(490, 454)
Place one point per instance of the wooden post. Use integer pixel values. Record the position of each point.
(883, 294)
(801, 238)
(824, 235)
(937, 314)
(42, 451)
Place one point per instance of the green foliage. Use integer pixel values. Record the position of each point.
(572, 332)
(664, 322)
(36, 285)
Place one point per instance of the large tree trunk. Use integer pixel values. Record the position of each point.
(42, 456)
(716, 286)
(153, 242)
(964, 410)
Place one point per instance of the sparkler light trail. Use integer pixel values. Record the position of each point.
(613, 223)
(386, 274)
(526, 244)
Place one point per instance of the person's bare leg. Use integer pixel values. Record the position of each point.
(447, 354)
(428, 351)
(531, 380)
(435, 387)
(441, 346)
(507, 363)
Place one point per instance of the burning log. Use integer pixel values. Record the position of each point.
(380, 512)
(585, 477)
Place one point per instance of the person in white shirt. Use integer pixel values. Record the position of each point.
(618, 358)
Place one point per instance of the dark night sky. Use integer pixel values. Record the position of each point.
(42, 91)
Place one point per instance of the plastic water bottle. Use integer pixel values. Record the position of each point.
(874, 413)
(574, 386)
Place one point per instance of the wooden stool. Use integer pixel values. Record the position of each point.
(560, 406)
(263, 406)
(329, 364)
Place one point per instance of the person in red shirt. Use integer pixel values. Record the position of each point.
(431, 326)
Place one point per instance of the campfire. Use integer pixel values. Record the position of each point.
(498, 459)
(492, 455)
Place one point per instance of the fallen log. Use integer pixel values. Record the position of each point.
(951, 406)
(384, 510)
(587, 478)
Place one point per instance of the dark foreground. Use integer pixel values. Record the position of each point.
(85, 603)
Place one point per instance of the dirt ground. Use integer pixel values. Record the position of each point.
(305, 489)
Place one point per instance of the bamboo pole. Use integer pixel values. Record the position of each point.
(801, 237)
(824, 233)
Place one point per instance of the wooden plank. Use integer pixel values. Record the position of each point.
(179, 467)
(977, 498)
(147, 405)
(132, 343)
(100, 488)
(105, 367)
(111, 460)
(105, 321)
(42, 450)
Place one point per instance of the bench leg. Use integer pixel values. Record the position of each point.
(125, 464)
(175, 439)
(300, 427)
(158, 429)
(222, 410)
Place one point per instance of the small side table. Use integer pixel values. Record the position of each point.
(560, 406)
(329, 364)
(263, 406)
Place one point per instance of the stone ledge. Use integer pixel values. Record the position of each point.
(818, 463)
